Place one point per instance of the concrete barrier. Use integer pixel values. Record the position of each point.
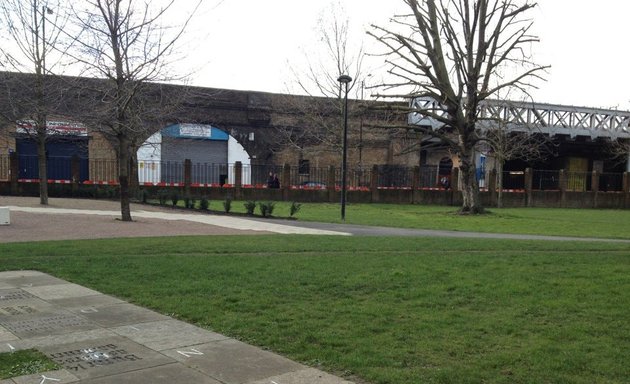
(5, 218)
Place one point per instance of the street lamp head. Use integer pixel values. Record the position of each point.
(344, 79)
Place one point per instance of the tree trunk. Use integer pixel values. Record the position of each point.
(470, 188)
(42, 165)
(500, 183)
(134, 182)
(123, 177)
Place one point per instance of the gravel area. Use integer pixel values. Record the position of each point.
(26, 227)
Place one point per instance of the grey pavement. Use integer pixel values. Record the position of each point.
(99, 339)
(363, 230)
(219, 221)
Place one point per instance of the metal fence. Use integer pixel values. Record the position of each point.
(257, 176)
(513, 180)
(58, 167)
(611, 182)
(546, 180)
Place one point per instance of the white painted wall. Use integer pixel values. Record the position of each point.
(149, 158)
(236, 152)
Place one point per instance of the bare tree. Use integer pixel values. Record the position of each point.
(128, 44)
(619, 148)
(28, 48)
(459, 53)
(321, 109)
(505, 145)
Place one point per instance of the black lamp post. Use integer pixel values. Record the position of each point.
(344, 79)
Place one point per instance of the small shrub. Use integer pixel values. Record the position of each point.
(144, 196)
(174, 198)
(204, 204)
(266, 208)
(163, 197)
(250, 206)
(227, 205)
(295, 208)
(110, 192)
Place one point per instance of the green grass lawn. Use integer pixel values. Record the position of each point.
(26, 362)
(536, 221)
(385, 310)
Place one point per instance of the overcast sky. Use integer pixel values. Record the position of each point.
(251, 44)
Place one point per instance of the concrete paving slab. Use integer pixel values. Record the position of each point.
(12, 296)
(45, 323)
(15, 308)
(60, 291)
(53, 340)
(233, 362)
(166, 374)
(6, 335)
(33, 281)
(122, 314)
(305, 376)
(51, 377)
(85, 304)
(104, 357)
(23, 273)
(4, 285)
(99, 339)
(168, 334)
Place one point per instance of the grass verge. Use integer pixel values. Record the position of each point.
(533, 221)
(403, 310)
(25, 362)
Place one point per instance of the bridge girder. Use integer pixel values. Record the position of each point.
(521, 116)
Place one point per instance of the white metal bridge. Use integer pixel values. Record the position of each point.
(533, 117)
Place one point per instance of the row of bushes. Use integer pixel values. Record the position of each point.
(172, 197)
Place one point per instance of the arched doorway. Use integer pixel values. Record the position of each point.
(211, 151)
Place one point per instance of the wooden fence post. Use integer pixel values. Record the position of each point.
(529, 183)
(595, 187)
(75, 169)
(415, 185)
(285, 183)
(331, 184)
(14, 172)
(626, 189)
(374, 184)
(187, 177)
(238, 180)
(562, 184)
(492, 187)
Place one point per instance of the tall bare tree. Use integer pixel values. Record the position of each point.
(129, 44)
(32, 33)
(318, 79)
(459, 53)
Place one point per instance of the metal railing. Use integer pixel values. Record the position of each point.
(295, 177)
(546, 180)
(611, 182)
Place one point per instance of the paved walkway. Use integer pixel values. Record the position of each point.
(69, 219)
(99, 339)
(219, 221)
